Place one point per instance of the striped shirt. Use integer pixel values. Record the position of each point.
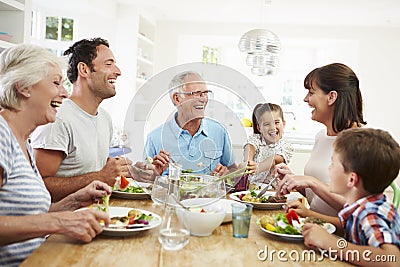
(23, 193)
(371, 221)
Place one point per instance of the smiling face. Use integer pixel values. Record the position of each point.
(271, 126)
(46, 96)
(191, 106)
(102, 79)
(319, 102)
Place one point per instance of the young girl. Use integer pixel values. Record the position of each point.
(265, 147)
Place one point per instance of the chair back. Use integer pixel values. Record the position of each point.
(396, 194)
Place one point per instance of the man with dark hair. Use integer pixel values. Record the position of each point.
(73, 151)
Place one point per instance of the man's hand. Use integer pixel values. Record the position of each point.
(220, 170)
(143, 172)
(161, 161)
(114, 167)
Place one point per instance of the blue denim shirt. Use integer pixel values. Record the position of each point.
(201, 153)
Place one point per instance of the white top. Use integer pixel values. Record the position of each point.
(264, 151)
(317, 166)
(22, 193)
(85, 139)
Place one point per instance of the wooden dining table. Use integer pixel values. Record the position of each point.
(143, 248)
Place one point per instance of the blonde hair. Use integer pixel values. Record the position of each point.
(23, 65)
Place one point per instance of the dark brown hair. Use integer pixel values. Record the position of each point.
(82, 51)
(348, 109)
(371, 153)
(260, 109)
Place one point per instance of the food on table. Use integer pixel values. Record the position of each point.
(134, 216)
(123, 185)
(292, 216)
(149, 160)
(314, 220)
(106, 204)
(252, 197)
(283, 223)
(200, 210)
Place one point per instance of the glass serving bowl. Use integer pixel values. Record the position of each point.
(189, 186)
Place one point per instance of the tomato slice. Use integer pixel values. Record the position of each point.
(292, 216)
(124, 183)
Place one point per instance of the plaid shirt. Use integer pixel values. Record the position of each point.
(371, 221)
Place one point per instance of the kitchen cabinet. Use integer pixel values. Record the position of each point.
(15, 22)
(145, 50)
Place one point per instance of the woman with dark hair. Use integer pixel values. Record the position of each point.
(335, 98)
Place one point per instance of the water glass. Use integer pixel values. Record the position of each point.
(241, 215)
(174, 233)
(159, 190)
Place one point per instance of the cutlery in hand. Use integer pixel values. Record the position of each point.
(129, 226)
(262, 192)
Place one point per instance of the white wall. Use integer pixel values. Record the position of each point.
(114, 22)
(377, 68)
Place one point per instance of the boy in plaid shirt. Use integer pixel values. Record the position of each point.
(364, 163)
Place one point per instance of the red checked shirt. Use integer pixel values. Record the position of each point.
(371, 221)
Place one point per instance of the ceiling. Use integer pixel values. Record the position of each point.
(314, 12)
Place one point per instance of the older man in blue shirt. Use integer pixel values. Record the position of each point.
(197, 143)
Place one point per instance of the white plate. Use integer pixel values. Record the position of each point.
(226, 203)
(266, 206)
(123, 211)
(330, 228)
(127, 195)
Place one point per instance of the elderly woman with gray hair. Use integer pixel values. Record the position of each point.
(31, 90)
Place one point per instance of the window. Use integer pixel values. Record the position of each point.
(54, 32)
(298, 57)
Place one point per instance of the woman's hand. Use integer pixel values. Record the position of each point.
(83, 225)
(290, 182)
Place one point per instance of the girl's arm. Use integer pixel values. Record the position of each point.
(249, 152)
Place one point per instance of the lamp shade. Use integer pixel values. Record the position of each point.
(262, 47)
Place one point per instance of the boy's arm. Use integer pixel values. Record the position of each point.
(304, 212)
(316, 237)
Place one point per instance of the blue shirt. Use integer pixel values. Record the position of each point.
(201, 153)
(371, 221)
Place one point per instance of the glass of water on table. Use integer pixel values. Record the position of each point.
(241, 215)
(174, 232)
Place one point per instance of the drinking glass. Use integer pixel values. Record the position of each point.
(241, 215)
(174, 234)
(159, 190)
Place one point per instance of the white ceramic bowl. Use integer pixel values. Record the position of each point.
(203, 223)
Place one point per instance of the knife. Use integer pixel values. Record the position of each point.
(262, 192)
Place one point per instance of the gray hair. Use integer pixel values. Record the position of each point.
(24, 65)
(179, 81)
